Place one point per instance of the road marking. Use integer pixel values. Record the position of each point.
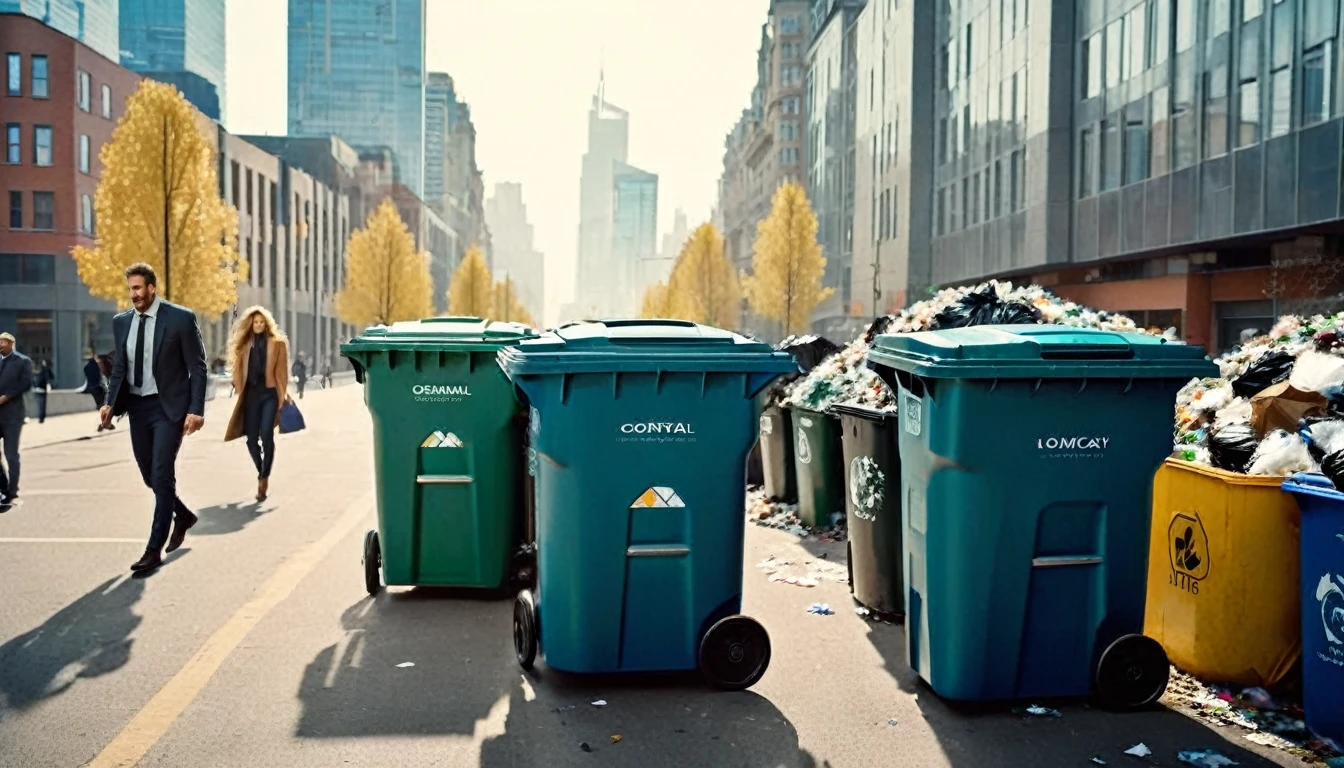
(66, 492)
(151, 723)
(70, 541)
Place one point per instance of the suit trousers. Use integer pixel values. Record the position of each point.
(155, 441)
(10, 427)
(259, 407)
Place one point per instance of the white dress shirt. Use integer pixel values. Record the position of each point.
(149, 386)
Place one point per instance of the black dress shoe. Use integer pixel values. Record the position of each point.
(148, 561)
(181, 524)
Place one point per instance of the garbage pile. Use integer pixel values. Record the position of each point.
(772, 514)
(842, 379)
(1277, 407)
(1001, 303)
(808, 352)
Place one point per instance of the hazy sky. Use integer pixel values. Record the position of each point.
(684, 70)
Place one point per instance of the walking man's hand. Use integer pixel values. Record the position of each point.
(193, 423)
(105, 416)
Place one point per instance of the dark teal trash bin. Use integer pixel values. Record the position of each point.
(776, 447)
(873, 506)
(1027, 456)
(642, 430)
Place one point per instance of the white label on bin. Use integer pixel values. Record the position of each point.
(440, 393)
(661, 432)
(867, 483)
(658, 497)
(912, 415)
(1330, 594)
(804, 448)
(1073, 446)
(767, 426)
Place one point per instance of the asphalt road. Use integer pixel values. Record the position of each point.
(256, 645)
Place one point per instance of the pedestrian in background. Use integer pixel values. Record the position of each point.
(301, 372)
(16, 378)
(326, 372)
(43, 380)
(259, 352)
(158, 377)
(93, 383)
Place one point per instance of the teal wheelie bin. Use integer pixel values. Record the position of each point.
(1027, 463)
(449, 453)
(642, 429)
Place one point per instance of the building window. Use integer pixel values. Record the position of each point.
(1159, 153)
(86, 214)
(1185, 143)
(788, 25)
(1092, 66)
(13, 143)
(1115, 37)
(1019, 181)
(42, 145)
(27, 269)
(1159, 26)
(1281, 102)
(997, 188)
(107, 101)
(1248, 113)
(84, 153)
(1219, 18)
(1251, 9)
(1110, 153)
(1087, 168)
(1136, 43)
(39, 89)
(44, 210)
(1318, 87)
(1185, 25)
(1136, 141)
(84, 88)
(13, 74)
(15, 209)
(1215, 112)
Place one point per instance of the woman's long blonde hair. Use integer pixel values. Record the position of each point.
(240, 341)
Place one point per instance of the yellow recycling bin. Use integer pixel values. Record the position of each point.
(1223, 595)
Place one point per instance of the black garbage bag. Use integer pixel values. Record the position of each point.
(1264, 373)
(984, 307)
(1232, 446)
(1333, 468)
(879, 326)
(808, 351)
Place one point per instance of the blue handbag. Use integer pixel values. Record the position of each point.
(291, 420)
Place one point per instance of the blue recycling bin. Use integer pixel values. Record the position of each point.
(1322, 602)
(1027, 462)
(641, 430)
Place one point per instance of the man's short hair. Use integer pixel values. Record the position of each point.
(143, 270)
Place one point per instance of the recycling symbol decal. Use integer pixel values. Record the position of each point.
(804, 449)
(1189, 547)
(1330, 594)
(866, 483)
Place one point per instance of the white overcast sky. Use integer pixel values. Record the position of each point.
(684, 70)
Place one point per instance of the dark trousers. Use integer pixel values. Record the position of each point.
(41, 398)
(155, 440)
(9, 435)
(303, 380)
(98, 394)
(259, 407)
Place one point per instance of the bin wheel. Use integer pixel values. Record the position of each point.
(373, 563)
(849, 564)
(1132, 673)
(525, 629)
(734, 653)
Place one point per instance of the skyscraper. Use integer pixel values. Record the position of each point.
(634, 232)
(179, 42)
(515, 256)
(92, 22)
(357, 70)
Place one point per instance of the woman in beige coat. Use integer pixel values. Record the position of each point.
(259, 352)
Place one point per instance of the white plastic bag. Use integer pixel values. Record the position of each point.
(1280, 454)
(1317, 372)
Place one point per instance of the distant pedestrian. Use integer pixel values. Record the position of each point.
(158, 377)
(326, 372)
(16, 378)
(259, 351)
(300, 372)
(43, 380)
(93, 384)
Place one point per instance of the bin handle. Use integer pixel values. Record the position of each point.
(1089, 352)
(639, 323)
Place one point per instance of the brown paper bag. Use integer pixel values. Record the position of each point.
(1281, 406)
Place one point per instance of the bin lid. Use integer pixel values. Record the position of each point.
(452, 334)
(1038, 351)
(630, 346)
(1313, 483)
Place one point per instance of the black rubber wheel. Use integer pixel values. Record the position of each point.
(734, 653)
(1132, 673)
(373, 563)
(525, 629)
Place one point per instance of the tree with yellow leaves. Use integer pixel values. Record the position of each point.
(704, 287)
(471, 290)
(657, 302)
(158, 202)
(508, 307)
(386, 279)
(787, 265)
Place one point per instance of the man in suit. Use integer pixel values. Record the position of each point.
(158, 377)
(16, 378)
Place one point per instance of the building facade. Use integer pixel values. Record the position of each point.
(91, 22)
(634, 234)
(516, 257)
(181, 42)
(357, 71)
(596, 287)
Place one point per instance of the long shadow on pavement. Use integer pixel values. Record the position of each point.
(991, 735)
(664, 720)
(88, 638)
(463, 662)
(226, 518)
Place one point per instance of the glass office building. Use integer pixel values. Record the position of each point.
(92, 22)
(181, 42)
(357, 71)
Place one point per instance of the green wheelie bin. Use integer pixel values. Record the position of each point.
(776, 446)
(819, 467)
(450, 453)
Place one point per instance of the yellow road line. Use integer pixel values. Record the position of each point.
(149, 725)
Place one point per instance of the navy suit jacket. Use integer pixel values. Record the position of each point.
(16, 378)
(179, 362)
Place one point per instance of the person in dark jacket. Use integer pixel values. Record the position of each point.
(43, 380)
(16, 378)
(93, 383)
(301, 372)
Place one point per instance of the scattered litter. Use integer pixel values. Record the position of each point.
(584, 746)
(1266, 739)
(615, 737)
(405, 664)
(600, 703)
(566, 708)
(1205, 758)
(820, 609)
(891, 721)
(863, 611)
(784, 517)
(1038, 711)
(1139, 750)
(1098, 761)
(804, 573)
